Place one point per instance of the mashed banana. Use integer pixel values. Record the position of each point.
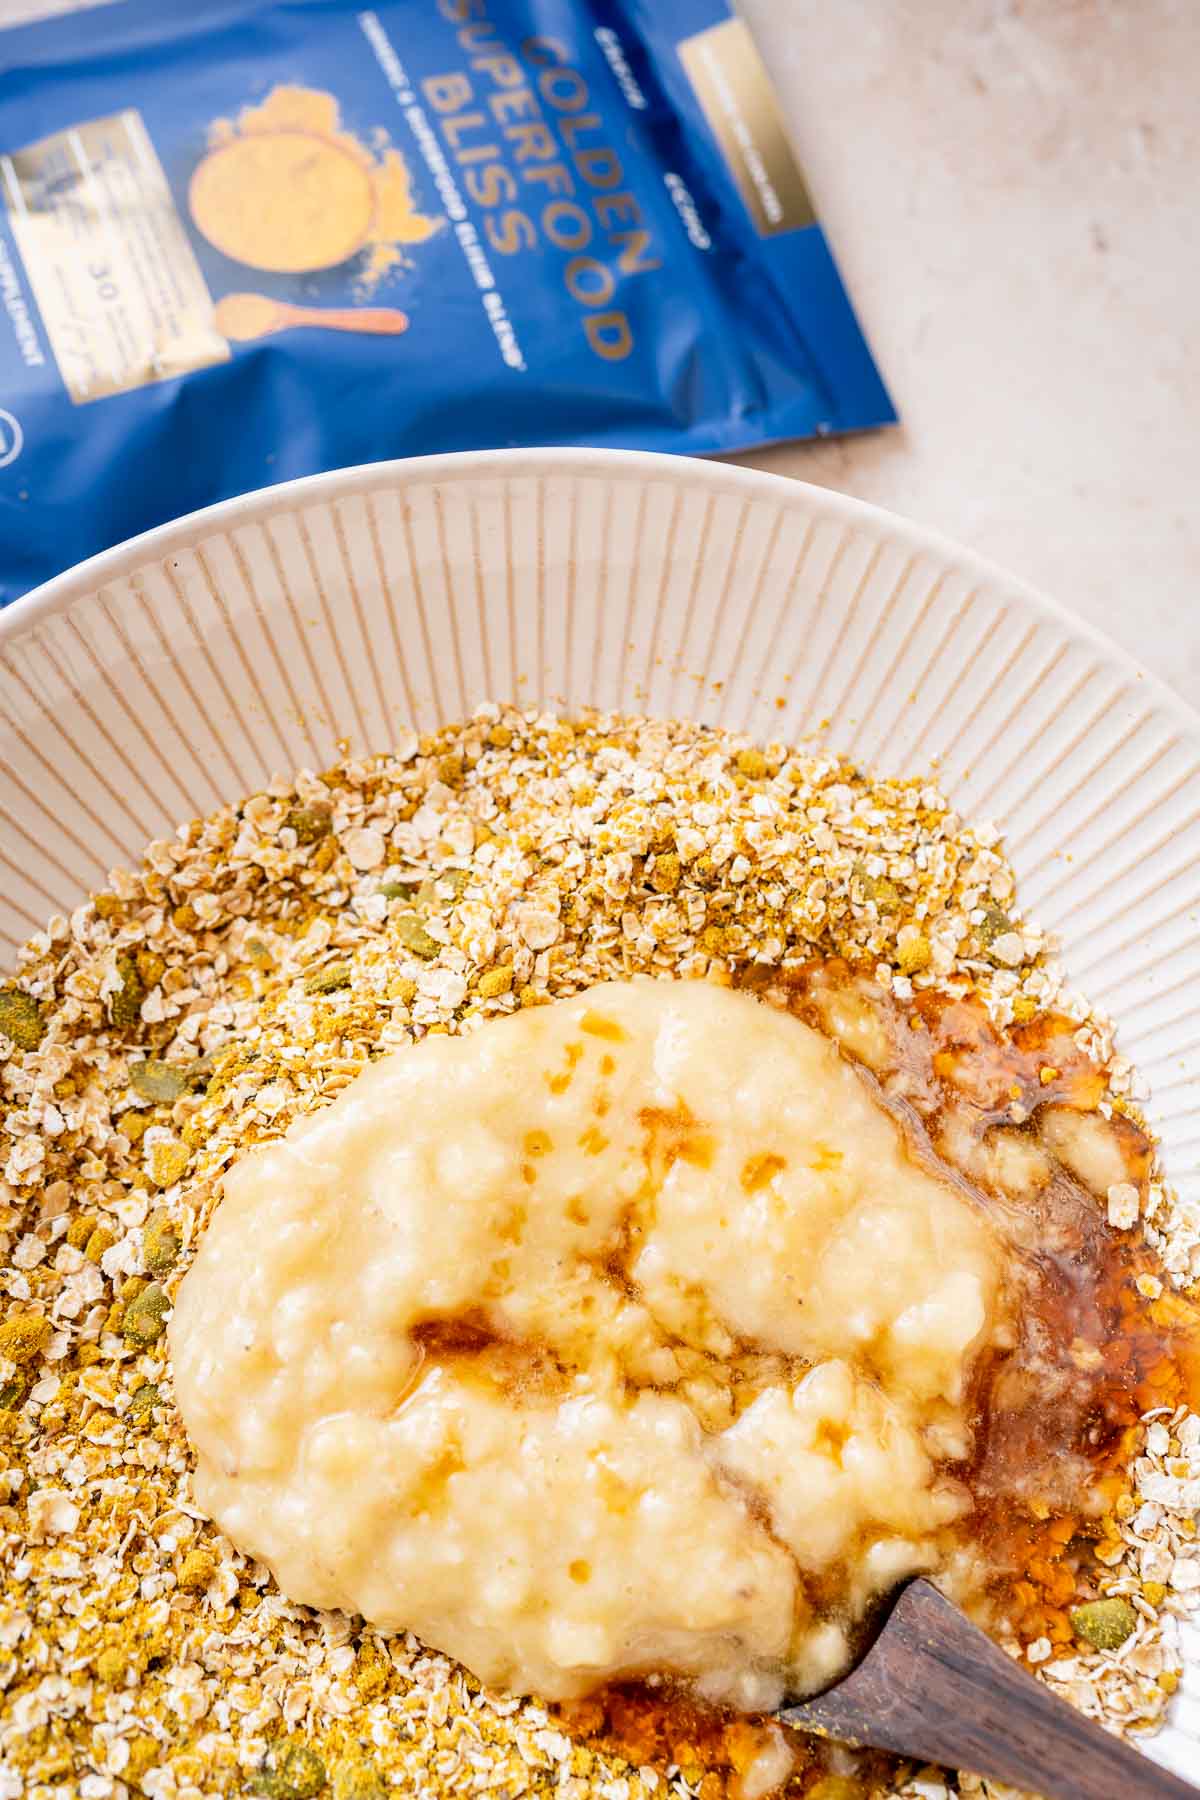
(620, 1335)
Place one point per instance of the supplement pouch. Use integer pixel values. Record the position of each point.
(242, 241)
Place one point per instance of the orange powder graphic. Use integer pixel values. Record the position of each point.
(286, 189)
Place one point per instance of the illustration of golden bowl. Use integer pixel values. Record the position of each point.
(285, 201)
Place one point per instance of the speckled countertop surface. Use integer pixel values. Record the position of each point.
(1010, 188)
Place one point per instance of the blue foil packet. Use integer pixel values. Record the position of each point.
(243, 240)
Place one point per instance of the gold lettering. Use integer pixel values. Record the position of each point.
(504, 69)
(588, 281)
(556, 176)
(447, 93)
(513, 103)
(462, 124)
(600, 168)
(573, 129)
(564, 89)
(533, 142)
(542, 51)
(488, 187)
(510, 231)
(633, 259)
(609, 335)
(567, 225)
(617, 209)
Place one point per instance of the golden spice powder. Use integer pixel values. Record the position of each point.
(284, 188)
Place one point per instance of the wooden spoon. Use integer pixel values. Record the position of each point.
(935, 1688)
(243, 317)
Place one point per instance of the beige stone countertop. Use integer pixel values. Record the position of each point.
(1011, 190)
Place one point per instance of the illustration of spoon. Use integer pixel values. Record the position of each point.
(243, 317)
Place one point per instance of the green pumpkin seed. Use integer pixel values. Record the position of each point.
(21, 1019)
(310, 823)
(157, 1081)
(324, 981)
(1104, 1623)
(144, 1322)
(413, 935)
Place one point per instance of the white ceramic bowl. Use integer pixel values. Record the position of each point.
(179, 671)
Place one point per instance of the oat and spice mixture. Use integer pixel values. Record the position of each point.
(242, 977)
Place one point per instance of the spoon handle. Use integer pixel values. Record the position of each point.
(388, 320)
(936, 1688)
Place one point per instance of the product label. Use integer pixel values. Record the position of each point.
(737, 99)
(119, 289)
